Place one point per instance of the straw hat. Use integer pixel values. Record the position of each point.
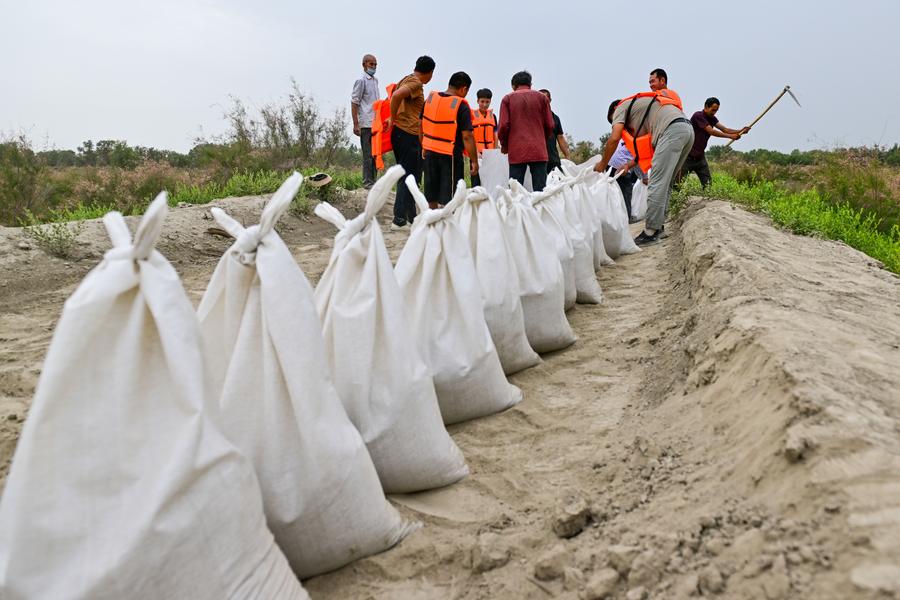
(318, 179)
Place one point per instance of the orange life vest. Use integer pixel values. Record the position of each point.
(642, 147)
(483, 128)
(672, 94)
(381, 135)
(439, 122)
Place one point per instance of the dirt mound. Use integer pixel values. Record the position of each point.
(727, 423)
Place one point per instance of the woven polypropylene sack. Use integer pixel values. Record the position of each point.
(616, 233)
(564, 250)
(383, 383)
(122, 486)
(480, 220)
(639, 200)
(541, 282)
(443, 299)
(589, 210)
(587, 288)
(321, 493)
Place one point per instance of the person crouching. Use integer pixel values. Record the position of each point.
(446, 131)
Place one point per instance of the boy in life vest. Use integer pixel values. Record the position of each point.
(657, 134)
(484, 126)
(446, 131)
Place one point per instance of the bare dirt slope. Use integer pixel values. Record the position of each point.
(727, 424)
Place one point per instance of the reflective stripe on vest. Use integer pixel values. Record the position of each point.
(439, 122)
(642, 146)
(483, 128)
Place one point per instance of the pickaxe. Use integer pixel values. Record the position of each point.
(787, 89)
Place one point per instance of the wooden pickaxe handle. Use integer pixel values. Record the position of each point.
(767, 109)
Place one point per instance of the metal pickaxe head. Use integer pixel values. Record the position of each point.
(787, 88)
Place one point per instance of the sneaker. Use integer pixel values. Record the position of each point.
(395, 227)
(662, 233)
(647, 240)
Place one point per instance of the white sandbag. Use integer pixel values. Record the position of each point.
(586, 285)
(639, 200)
(321, 494)
(379, 375)
(589, 210)
(493, 170)
(121, 486)
(616, 233)
(541, 282)
(480, 220)
(564, 250)
(437, 276)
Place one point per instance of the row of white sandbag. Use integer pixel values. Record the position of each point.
(256, 314)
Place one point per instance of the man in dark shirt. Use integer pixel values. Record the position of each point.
(705, 124)
(525, 125)
(557, 137)
(444, 165)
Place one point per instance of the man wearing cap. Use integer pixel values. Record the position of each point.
(365, 93)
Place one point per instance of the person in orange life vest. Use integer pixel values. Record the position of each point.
(556, 138)
(654, 129)
(659, 82)
(703, 122)
(623, 160)
(406, 130)
(446, 130)
(484, 125)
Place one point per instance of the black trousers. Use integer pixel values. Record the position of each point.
(698, 166)
(626, 183)
(538, 174)
(368, 161)
(408, 154)
(442, 172)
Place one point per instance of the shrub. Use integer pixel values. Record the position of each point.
(57, 238)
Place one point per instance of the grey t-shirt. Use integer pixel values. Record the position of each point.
(659, 118)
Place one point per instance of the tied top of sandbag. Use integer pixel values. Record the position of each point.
(248, 239)
(430, 216)
(378, 195)
(144, 238)
(477, 194)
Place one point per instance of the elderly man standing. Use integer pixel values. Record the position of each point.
(525, 125)
(365, 93)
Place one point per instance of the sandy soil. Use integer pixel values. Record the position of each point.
(728, 423)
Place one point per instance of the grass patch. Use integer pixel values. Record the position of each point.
(805, 213)
(57, 237)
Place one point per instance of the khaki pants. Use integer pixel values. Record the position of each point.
(668, 157)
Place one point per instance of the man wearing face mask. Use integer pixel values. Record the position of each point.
(365, 93)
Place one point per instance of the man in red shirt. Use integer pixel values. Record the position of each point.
(525, 125)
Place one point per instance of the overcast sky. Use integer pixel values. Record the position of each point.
(157, 73)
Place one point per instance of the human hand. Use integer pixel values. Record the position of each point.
(600, 167)
(745, 130)
(735, 136)
(388, 123)
(473, 168)
(645, 180)
(504, 150)
(356, 129)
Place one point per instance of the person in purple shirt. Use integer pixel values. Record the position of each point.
(705, 124)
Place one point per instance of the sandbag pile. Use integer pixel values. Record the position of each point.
(321, 493)
(223, 454)
(616, 231)
(443, 299)
(122, 486)
(480, 220)
(541, 280)
(381, 379)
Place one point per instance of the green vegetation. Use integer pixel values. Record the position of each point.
(805, 212)
(57, 238)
